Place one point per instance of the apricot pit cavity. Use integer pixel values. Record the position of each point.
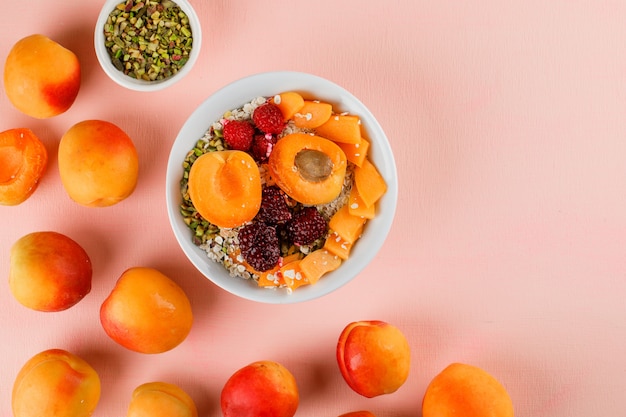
(313, 165)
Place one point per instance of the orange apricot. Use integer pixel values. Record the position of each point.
(318, 263)
(369, 182)
(346, 225)
(55, 383)
(345, 128)
(289, 103)
(41, 77)
(23, 160)
(355, 152)
(161, 399)
(466, 390)
(98, 163)
(292, 276)
(312, 114)
(225, 187)
(146, 312)
(336, 245)
(357, 207)
(308, 168)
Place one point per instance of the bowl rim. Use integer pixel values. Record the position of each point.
(234, 95)
(141, 85)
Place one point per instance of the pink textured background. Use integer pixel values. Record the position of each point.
(508, 122)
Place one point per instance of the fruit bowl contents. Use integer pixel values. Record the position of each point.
(147, 45)
(278, 190)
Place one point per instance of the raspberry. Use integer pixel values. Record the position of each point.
(262, 146)
(306, 226)
(268, 118)
(238, 134)
(259, 246)
(274, 209)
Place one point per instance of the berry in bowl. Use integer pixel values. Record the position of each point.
(281, 187)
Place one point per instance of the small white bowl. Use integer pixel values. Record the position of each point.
(142, 85)
(269, 84)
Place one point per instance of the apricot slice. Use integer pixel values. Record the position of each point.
(370, 183)
(292, 276)
(318, 263)
(357, 207)
(23, 160)
(346, 225)
(466, 390)
(345, 128)
(308, 168)
(225, 187)
(312, 114)
(289, 103)
(336, 245)
(355, 152)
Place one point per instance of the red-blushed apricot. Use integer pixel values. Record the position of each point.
(41, 77)
(98, 163)
(225, 187)
(49, 271)
(308, 168)
(161, 399)
(23, 161)
(55, 383)
(362, 413)
(374, 357)
(262, 388)
(468, 391)
(146, 311)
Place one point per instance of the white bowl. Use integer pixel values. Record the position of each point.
(235, 95)
(142, 85)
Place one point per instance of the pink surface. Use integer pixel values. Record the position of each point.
(509, 247)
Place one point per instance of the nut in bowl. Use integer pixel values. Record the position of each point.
(207, 170)
(147, 45)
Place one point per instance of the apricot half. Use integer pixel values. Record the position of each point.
(225, 187)
(308, 168)
(468, 391)
(41, 77)
(55, 383)
(23, 160)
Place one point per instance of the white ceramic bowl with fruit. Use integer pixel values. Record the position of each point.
(241, 212)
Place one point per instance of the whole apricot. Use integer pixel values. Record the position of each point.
(55, 383)
(23, 160)
(374, 357)
(41, 77)
(146, 311)
(362, 413)
(98, 163)
(468, 391)
(262, 388)
(49, 271)
(161, 399)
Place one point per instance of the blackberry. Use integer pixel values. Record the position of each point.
(274, 209)
(259, 246)
(306, 226)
